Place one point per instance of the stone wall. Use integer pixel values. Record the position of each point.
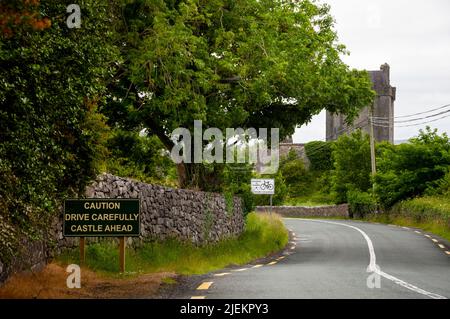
(198, 217)
(302, 211)
(194, 216)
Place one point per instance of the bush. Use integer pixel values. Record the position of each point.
(296, 177)
(361, 203)
(236, 182)
(425, 209)
(140, 157)
(352, 168)
(319, 155)
(51, 83)
(411, 169)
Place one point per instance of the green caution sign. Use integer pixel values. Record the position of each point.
(95, 217)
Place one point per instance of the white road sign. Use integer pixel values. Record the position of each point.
(263, 186)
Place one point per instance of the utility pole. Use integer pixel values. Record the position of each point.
(372, 148)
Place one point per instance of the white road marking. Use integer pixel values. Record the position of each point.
(198, 297)
(272, 263)
(222, 274)
(417, 232)
(441, 246)
(405, 227)
(434, 240)
(257, 266)
(373, 267)
(428, 236)
(242, 269)
(447, 252)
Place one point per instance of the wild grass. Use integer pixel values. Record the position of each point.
(264, 234)
(429, 213)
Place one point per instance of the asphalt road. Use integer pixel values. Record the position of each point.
(340, 259)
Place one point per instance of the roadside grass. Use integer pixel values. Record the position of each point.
(264, 234)
(429, 213)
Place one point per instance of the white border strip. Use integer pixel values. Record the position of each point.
(373, 266)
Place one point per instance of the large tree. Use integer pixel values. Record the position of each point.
(229, 63)
(51, 80)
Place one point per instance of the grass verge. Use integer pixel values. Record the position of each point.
(429, 213)
(264, 234)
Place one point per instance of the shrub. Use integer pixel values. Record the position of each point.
(319, 155)
(51, 83)
(352, 168)
(296, 177)
(409, 170)
(361, 203)
(140, 157)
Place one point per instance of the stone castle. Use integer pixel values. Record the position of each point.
(383, 107)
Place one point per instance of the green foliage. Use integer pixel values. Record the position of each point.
(442, 186)
(409, 170)
(229, 203)
(236, 181)
(50, 85)
(296, 177)
(424, 209)
(361, 203)
(430, 213)
(319, 155)
(231, 64)
(263, 235)
(140, 157)
(352, 170)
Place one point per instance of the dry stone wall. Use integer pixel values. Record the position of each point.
(302, 211)
(186, 215)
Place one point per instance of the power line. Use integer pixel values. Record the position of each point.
(384, 121)
(410, 125)
(420, 113)
(381, 121)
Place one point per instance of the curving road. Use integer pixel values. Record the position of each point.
(340, 259)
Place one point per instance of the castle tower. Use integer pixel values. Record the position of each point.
(383, 107)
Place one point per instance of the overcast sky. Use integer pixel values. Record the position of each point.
(413, 37)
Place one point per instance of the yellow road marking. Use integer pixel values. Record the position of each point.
(205, 285)
(441, 246)
(257, 266)
(272, 263)
(281, 258)
(198, 297)
(222, 274)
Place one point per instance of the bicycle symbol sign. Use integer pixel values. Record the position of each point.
(263, 186)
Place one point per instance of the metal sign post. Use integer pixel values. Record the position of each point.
(270, 204)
